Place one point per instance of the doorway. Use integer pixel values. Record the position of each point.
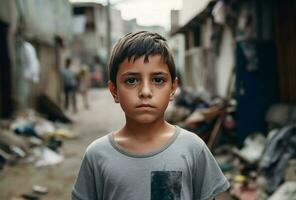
(6, 104)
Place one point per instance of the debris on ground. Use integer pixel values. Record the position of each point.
(264, 166)
(30, 138)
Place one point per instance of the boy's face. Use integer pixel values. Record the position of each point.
(143, 89)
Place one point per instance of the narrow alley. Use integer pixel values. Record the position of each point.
(235, 65)
(104, 115)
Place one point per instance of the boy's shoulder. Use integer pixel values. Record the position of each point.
(190, 137)
(99, 145)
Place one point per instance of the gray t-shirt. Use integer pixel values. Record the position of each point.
(183, 169)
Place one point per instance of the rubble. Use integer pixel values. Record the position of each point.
(39, 189)
(50, 110)
(253, 148)
(35, 194)
(286, 191)
(46, 157)
(29, 138)
(264, 167)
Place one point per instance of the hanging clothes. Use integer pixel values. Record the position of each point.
(219, 12)
(29, 62)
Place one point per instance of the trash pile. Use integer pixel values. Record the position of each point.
(205, 116)
(264, 167)
(29, 138)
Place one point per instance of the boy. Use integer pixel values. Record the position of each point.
(69, 84)
(147, 159)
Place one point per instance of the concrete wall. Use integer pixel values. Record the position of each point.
(223, 64)
(177, 44)
(49, 77)
(117, 27)
(101, 27)
(195, 69)
(40, 21)
(45, 19)
(204, 68)
(190, 9)
(94, 42)
(8, 12)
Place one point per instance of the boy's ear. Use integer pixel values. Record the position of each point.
(113, 91)
(174, 88)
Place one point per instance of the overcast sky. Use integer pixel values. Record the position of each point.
(147, 12)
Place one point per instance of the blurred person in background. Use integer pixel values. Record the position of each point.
(69, 85)
(84, 82)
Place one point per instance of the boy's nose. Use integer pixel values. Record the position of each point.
(145, 90)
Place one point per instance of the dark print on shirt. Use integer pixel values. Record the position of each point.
(166, 185)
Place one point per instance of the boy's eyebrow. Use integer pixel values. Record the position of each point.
(160, 73)
(130, 74)
(137, 73)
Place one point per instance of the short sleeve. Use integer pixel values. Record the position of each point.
(85, 186)
(209, 179)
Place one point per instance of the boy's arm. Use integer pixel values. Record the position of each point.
(209, 181)
(85, 186)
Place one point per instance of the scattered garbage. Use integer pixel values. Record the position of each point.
(286, 191)
(46, 157)
(243, 192)
(30, 196)
(290, 172)
(29, 138)
(62, 133)
(43, 128)
(279, 150)
(40, 189)
(7, 138)
(253, 148)
(51, 110)
(3, 159)
(54, 144)
(36, 193)
(22, 127)
(265, 162)
(280, 115)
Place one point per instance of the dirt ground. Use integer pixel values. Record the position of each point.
(102, 117)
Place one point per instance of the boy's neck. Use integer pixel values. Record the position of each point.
(144, 138)
(150, 130)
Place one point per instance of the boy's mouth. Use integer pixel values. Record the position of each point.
(144, 105)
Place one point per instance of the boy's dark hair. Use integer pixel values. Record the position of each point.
(135, 45)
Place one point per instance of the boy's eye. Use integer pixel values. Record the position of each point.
(130, 81)
(158, 80)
